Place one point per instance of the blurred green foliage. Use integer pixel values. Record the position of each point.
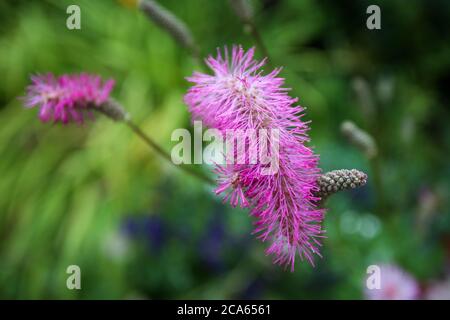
(95, 196)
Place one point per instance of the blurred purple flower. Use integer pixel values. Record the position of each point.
(253, 290)
(439, 290)
(155, 232)
(131, 227)
(67, 98)
(152, 229)
(396, 284)
(212, 243)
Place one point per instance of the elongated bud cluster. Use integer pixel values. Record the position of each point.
(338, 180)
(385, 89)
(359, 138)
(242, 9)
(169, 22)
(364, 96)
(113, 110)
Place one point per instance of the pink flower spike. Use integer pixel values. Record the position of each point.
(238, 96)
(67, 98)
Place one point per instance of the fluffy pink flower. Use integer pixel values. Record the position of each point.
(67, 98)
(239, 97)
(395, 284)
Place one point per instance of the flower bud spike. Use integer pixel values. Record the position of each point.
(359, 138)
(167, 21)
(339, 180)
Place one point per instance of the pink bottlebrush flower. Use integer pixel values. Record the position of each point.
(67, 98)
(238, 96)
(395, 284)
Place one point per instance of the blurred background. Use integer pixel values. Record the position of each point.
(95, 196)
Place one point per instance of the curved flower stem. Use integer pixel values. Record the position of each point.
(195, 54)
(149, 141)
(244, 11)
(347, 174)
(259, 41)
(375, 165)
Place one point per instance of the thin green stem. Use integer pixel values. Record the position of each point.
(259, 41)
(377, 164)
(196, 55)
(378, 185)
(149, 141)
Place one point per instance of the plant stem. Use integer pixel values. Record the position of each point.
(378, 185)
(259, 41)
(149, 141)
